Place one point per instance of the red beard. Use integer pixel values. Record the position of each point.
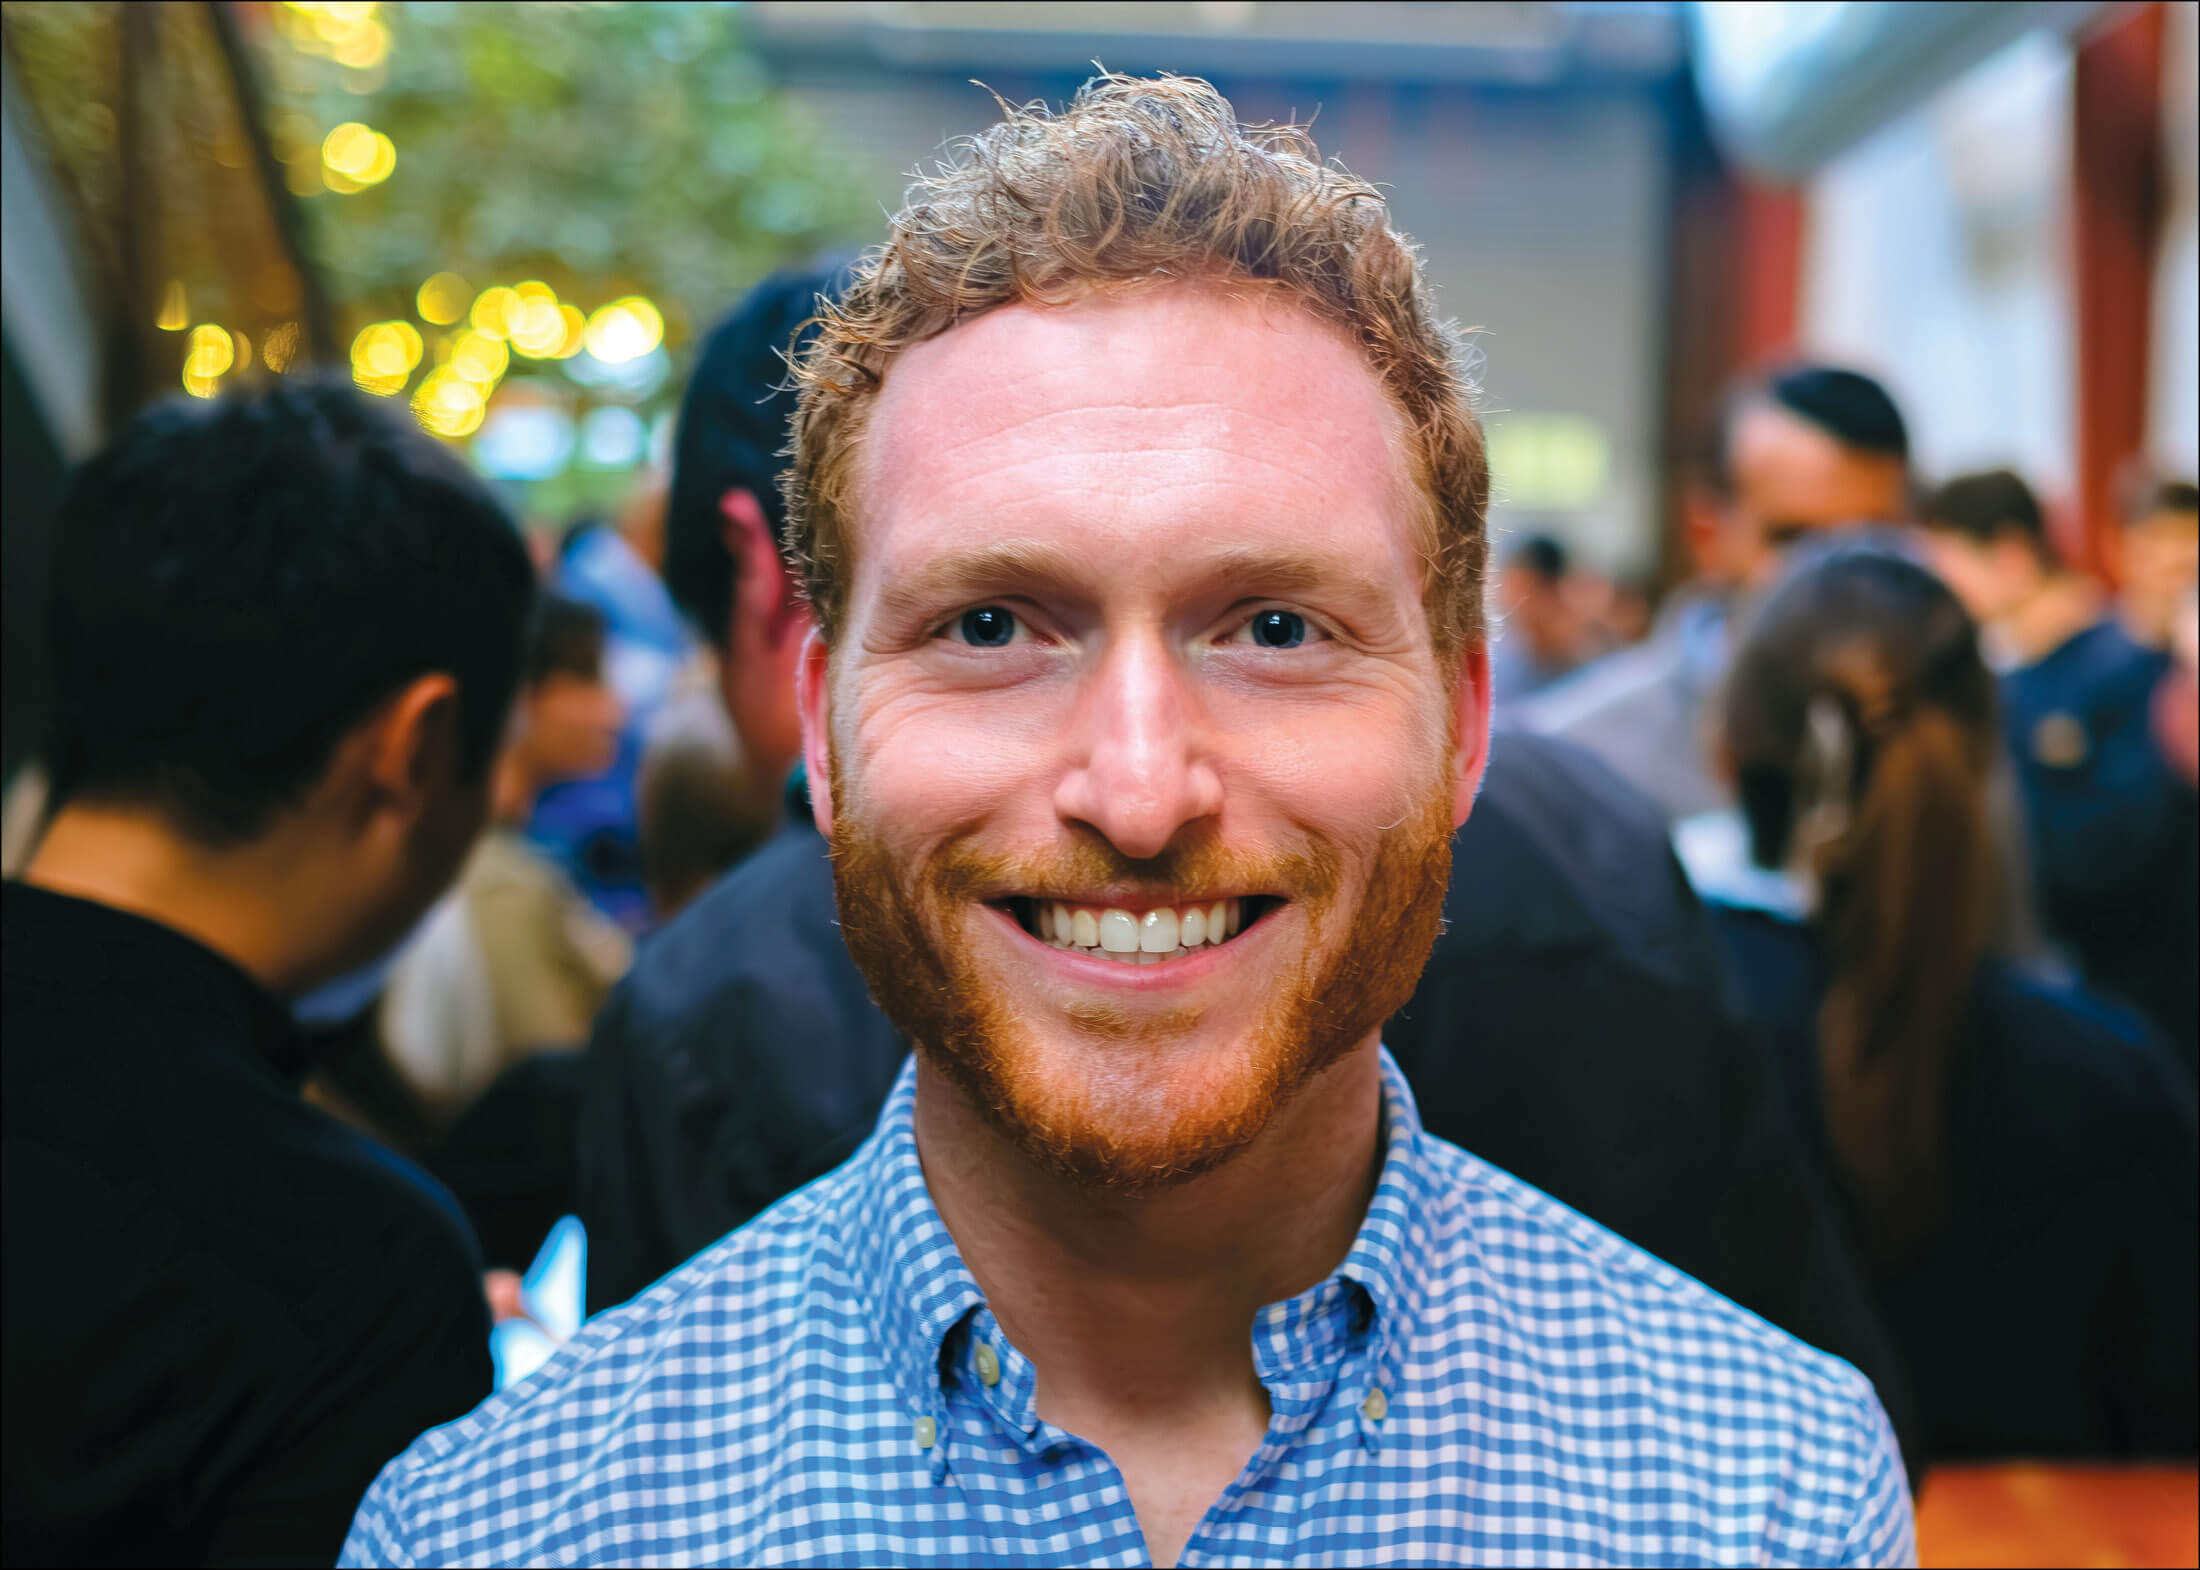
(1129, 1126)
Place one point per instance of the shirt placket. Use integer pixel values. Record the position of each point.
(1306, 1350)
(993, 1390)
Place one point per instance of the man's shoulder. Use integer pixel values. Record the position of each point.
(2100, 666)
(1565, 1282)
(748, 929)
(698, 1370)
(1610, 691)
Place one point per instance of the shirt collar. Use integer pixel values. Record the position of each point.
(919, 1290)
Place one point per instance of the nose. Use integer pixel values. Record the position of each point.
(1142, 765)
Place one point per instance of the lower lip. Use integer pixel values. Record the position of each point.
(1087, 966)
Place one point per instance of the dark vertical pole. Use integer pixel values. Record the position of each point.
(1733, 295)
(127, 378)
(2116, 203)
(318, 321)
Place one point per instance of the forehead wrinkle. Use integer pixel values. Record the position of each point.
(978, 384)
(1229, 465)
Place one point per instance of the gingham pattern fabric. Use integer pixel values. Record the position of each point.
(1488, 1379)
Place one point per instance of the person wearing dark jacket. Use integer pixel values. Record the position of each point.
(2017, 1166)
(1572, 1023)
(286, 636)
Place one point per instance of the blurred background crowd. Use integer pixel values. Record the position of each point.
(1840, 365)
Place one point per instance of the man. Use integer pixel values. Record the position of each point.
(1543, 635)
(2160, 558)
(2112, 827)
(1804, 449)
(286, 635)
(514, 961)
(1141, 509)
(725, 518)
(743, 1057)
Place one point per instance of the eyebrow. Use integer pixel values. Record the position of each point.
(962, 575)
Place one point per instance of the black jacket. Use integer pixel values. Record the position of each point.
(1571, 1027)
(2054, 1316)
(225, 1311)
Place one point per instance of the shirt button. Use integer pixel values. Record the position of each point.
(1375, 1407)
(927, 1431)
(989, 1364)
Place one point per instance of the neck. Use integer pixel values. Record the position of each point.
(2060, 606)
(228, 899)
(1145, 1305)
(514, 788)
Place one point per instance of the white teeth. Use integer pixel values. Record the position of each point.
(1157, 932)
(1137, 938)
(1118, 932)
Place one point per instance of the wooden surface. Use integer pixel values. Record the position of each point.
(2027, 1514)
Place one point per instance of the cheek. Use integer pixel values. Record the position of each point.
(1344, 767)
(923, 762)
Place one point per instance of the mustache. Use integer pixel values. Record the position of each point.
(1196, 862)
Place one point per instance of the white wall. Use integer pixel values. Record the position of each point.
(1937, 256)
(2173, 423)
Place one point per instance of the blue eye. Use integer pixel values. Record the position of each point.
(1277, 629)
(988, 627)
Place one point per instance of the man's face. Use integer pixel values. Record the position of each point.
(1135, 637)
(1792, 479)
(2161, 563)
(572, 726)
(1991, 577)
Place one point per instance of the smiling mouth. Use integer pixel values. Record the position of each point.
(1139, 935)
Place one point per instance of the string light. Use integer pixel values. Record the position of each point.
(383, 356)
(448, 404)
(442, 299)
(209, 353)
(625, 330)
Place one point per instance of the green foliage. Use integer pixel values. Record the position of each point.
(605, 149)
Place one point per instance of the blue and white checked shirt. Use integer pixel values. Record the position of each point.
(1488, 1378)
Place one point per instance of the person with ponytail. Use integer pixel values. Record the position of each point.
(2017, 1165)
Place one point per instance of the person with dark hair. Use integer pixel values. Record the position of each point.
(1801, 450)
(2018, 1170)
(514, 961)
(2112, 827)
(701, 809)
(725, 519)
(286, 632)
(587, 825)
(1540, 635)
(2158, 566)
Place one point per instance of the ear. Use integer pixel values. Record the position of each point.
(1470, 715)
(763, 594)
(412, 743)
(1703, 525)
(813, 697)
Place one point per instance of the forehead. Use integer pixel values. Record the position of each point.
(1182, 411)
